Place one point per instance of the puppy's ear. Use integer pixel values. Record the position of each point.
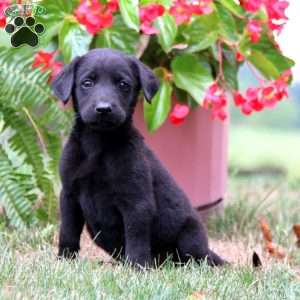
(63, 82)
(148, 81)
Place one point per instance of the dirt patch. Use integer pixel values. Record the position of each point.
(89, 249)
(235, 252)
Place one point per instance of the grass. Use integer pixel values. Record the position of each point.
(255, 148)
(30, 270)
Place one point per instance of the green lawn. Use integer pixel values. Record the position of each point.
(30, 270)
(258, 148)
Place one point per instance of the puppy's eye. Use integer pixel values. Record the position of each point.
(88, 83)
(124, 85)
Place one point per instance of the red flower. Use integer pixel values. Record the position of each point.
(238, 99)
(239, 57)
(96, 16)
(265, 96)
(113, 6)
(4, 4)
(179, 113)
(252, 6)
(273, 26)
(148, 14)
(246, 109)
(201, 7)
(276, 9)
(55, 69)
(276, 14)
(183, 10)
(254, 30)
(215, 99)
(45, 61)
(257, 105)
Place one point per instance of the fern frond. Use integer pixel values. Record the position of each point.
(24, 86)
(16, 190)
(25, 141)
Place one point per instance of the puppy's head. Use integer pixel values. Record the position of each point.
(105, 84)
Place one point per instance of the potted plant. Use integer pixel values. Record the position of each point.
(194, 47)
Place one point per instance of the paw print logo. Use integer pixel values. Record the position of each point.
(24, 31)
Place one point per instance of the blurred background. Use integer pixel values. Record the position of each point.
(268, 143)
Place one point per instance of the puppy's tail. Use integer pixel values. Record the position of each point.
(215, 260)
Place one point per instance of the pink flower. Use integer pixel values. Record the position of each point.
(254, 30)
(276, 9)
(183, 10)
(4, 4)
(252, 6)
(264, 96)
(238, 99)
(215, 99)
(246, 109)
(276, 14)
(113, 6)
(45, 61)
(179, 114)
(201, 7)
(96, 16)
(148, 14)
(239, 57)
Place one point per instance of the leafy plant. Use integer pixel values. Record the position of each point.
(29, 142)
(194, 47)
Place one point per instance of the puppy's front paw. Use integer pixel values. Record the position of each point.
(140, 263)
(215, 260)
(67, 253)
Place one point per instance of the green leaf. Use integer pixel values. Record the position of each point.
(266, 57)
(56, 11)
(233, 7)
(130, 13)
(119, 36)
(227, 23)
(58, 7)
(202, 32)
(230, 68)
(190, 75)
(165, 3)
(74, 40)
(157, 112)
(167, 31)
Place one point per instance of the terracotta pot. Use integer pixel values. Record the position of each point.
(195, 153)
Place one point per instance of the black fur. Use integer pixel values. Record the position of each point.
(112, 182)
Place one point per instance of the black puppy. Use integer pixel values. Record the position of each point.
(112, 182)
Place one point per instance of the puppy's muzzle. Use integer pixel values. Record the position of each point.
(103, 109)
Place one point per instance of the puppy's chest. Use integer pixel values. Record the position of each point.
(98, 176)
(97, 197)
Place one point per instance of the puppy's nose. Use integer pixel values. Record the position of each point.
(103, 108)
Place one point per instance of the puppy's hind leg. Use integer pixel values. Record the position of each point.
(192, 243)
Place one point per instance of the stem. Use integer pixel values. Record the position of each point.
(220, 58)
(34, 125)
(255, 73)
(142, 45)
(228, 43)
